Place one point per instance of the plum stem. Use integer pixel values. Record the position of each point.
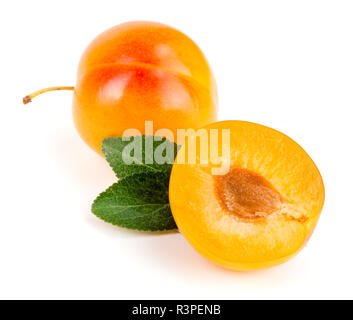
(29, 97)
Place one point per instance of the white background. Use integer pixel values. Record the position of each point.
(285, 64)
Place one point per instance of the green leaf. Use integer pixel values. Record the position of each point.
(139, 202)
(146, 154)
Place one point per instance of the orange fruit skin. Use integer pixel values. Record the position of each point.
(140, 71)
(225, 238)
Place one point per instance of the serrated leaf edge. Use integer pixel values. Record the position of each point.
(142, 164)
(120, 226)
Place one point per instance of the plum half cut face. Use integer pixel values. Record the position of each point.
(260, 212)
